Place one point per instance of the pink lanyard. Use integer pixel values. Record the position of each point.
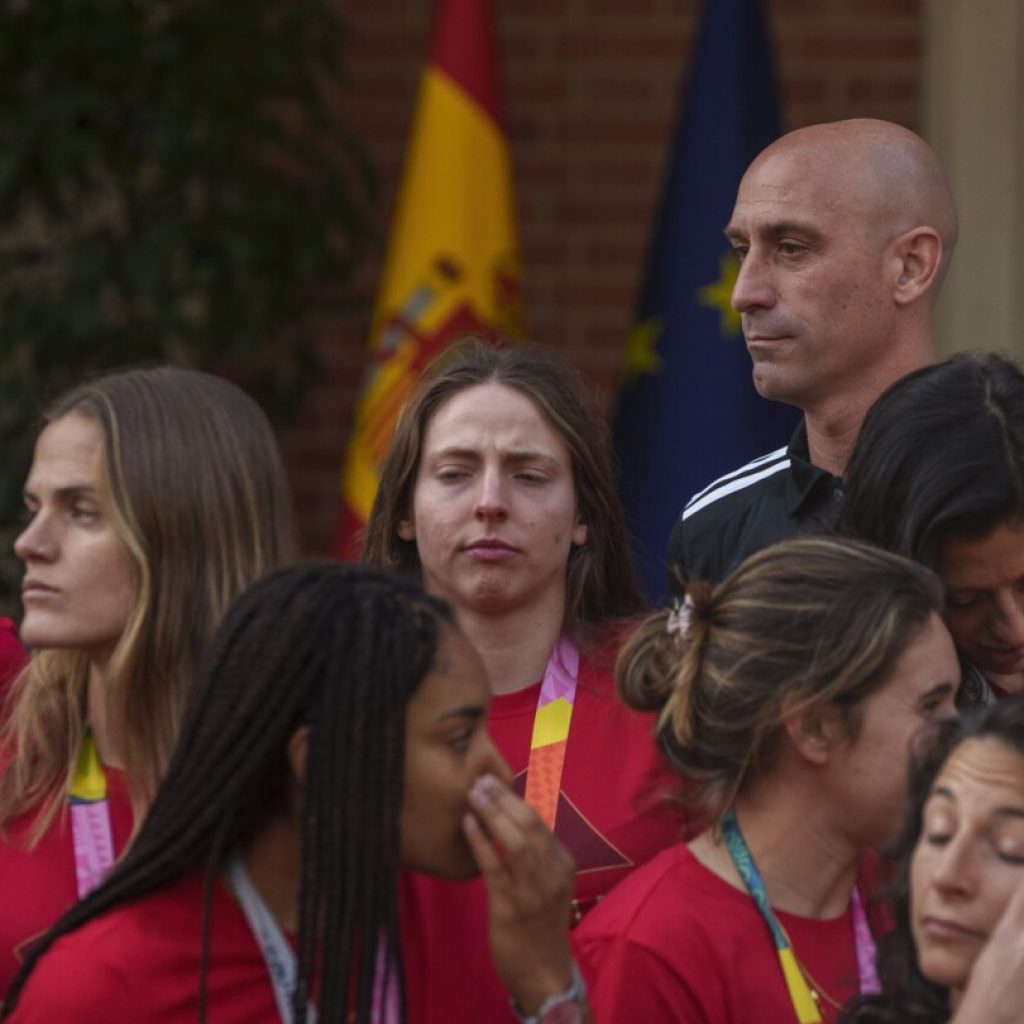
(91, 834)
(550, 736)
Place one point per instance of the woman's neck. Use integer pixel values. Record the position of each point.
(807, 867)
(272, 863)
(515, 646)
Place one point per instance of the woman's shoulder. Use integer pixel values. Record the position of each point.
(140, 960)
(672, 898)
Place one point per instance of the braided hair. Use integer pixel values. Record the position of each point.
(337, 648)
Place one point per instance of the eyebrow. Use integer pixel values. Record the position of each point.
(525, 455)
(940, 689)
(472, 711)
(774, 229)
(1003, 810)
(63, 493)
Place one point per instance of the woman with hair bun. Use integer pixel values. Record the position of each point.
(154, 498)
(786, 699)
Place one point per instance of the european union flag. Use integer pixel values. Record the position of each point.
(689, 411)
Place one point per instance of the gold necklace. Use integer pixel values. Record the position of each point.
(815, 987)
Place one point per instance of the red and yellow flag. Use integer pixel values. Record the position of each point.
(452, 265)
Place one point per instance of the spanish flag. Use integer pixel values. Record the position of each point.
(452, 265)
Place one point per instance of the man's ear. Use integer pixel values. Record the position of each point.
(918, 253)
(814, 731)
(298, 746)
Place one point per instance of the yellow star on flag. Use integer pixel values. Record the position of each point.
(717, 294)
(641, 356)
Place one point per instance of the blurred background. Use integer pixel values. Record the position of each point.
(215, 183)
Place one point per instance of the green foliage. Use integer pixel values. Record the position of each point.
(175, 184)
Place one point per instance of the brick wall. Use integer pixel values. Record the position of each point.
(591, 88)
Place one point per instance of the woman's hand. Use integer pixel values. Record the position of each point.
(995, 990)
(529, 877)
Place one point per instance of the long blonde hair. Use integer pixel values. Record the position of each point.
(194, 486)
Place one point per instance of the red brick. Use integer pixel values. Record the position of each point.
(861, 47)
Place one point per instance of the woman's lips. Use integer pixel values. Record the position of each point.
(942, 929)
(490, 550)
(33, 589)
(1006, 659)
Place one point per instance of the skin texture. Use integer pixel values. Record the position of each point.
(866, 776)
(494, 517)
(447, 749)
(996, 990)
(843, 232)
(838, 794)
(969, 861)
(77, 589)
(984, 580)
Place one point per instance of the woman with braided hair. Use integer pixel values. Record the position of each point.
(337, 734)
(155, 497)
(787, 698)
(498, 494)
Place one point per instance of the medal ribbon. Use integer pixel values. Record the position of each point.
(799, 990)
(91, 835)
(551, 730)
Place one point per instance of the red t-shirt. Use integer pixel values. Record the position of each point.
(12, 656)
(614, 814)
(676, 944)
(38, 885)
(140, 962)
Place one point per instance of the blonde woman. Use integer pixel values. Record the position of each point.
(154, 498)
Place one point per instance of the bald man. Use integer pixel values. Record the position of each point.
(844, 232)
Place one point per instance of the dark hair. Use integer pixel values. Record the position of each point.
(817, 620)
(601, 582)
(340, 649)
(940, 454)
(907, 996)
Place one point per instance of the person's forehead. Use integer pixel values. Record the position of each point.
(985, 770)
(989, 562)
(797, 184)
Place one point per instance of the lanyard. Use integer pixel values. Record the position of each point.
(278, 955)
(280, 958)
(799, 990)
(551, 730)
(89, 806)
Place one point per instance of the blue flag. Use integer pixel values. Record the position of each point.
(688, 411)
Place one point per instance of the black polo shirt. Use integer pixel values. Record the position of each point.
(776, 496)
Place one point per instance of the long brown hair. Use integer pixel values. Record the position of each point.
(600, 579)
(194, 486)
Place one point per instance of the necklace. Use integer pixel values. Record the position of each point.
(805, 992)
(816, 988)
